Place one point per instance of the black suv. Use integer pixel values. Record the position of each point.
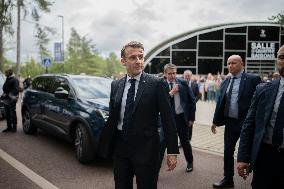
(73, 107)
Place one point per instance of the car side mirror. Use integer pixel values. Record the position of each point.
(61, 93)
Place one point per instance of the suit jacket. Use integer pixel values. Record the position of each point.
(11, 86)
(195, 90)
(187, 100)
(143, 138)
(246, 90)
(258, 117)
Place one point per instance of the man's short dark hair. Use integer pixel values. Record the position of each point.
(9, 72)
(170, 66)
(133, 44)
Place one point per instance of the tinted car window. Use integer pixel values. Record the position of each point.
(92, 87)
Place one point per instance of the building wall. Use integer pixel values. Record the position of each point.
(206, 50)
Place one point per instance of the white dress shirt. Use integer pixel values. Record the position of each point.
(124, 97)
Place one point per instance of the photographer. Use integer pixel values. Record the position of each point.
(10, 97)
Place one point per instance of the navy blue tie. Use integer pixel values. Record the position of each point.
(129, 106)
(278, 130)
(172, 99)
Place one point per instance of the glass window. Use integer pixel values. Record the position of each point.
(236, 30)
(92, 87)
(41, 84)
(215, 35)
(206, 66)
(228, 54)
(157, 65)
(186, 44)
(184, 58)
(263, 33)
(165, 52)
(210, 49)
(235, 42)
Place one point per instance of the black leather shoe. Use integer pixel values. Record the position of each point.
(14, 130)
(189, 167)
(225, 183)
(6, 130)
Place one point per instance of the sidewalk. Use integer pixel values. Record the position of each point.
(202, 137)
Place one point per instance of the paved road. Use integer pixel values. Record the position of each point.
(53, 160)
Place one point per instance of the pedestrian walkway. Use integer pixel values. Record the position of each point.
(202, 137)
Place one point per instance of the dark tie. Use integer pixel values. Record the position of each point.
(228, 98)
(129, 106)
(277, 138)
(172, 99)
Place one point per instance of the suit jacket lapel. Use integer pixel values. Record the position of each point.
(242, 85)
(226, 84)
(141, 87)
(270, 96)
(120, 90)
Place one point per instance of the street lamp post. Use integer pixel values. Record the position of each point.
(62, 45)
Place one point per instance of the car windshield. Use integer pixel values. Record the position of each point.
(92, 87)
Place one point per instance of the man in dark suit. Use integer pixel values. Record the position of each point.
(183, 109)
(236, 92)
(9, 98)
(261, 146)
(187, 76)
(135, 103)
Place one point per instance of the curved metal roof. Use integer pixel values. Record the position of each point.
(183, 36)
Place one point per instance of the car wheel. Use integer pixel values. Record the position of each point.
(83, 145)
(27, 123)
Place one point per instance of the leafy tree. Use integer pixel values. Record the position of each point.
(113, 65)
(279, 18)
(6, 8)
(31, 68)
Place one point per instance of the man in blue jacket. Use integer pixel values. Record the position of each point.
(183, 110)
(232, 106)
(261, 146)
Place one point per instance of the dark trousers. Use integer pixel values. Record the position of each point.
(124, 169)
(11, 116)
(184, 133)
(231, 136)
(268, 171)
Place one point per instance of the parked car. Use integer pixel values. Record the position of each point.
(2, 81)
(73, 107)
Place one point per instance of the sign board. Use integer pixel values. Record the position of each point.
(262, 51)
(58, 52)
(46, 62)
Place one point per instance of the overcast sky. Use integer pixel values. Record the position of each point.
(112, 23)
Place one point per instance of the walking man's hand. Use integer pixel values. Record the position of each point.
(213, 128)
(171, 162)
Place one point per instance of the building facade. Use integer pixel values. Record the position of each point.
(206, 50)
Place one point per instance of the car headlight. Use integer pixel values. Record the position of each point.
(104, 114)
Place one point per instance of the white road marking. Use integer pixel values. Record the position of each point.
(37, 179)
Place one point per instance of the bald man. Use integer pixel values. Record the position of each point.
(231, 109)
(261, 146)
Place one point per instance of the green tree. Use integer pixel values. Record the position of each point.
(32, 7)
(6, 8)
(6, 21)
(31, 68)
(279, 18)
(113, 65)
